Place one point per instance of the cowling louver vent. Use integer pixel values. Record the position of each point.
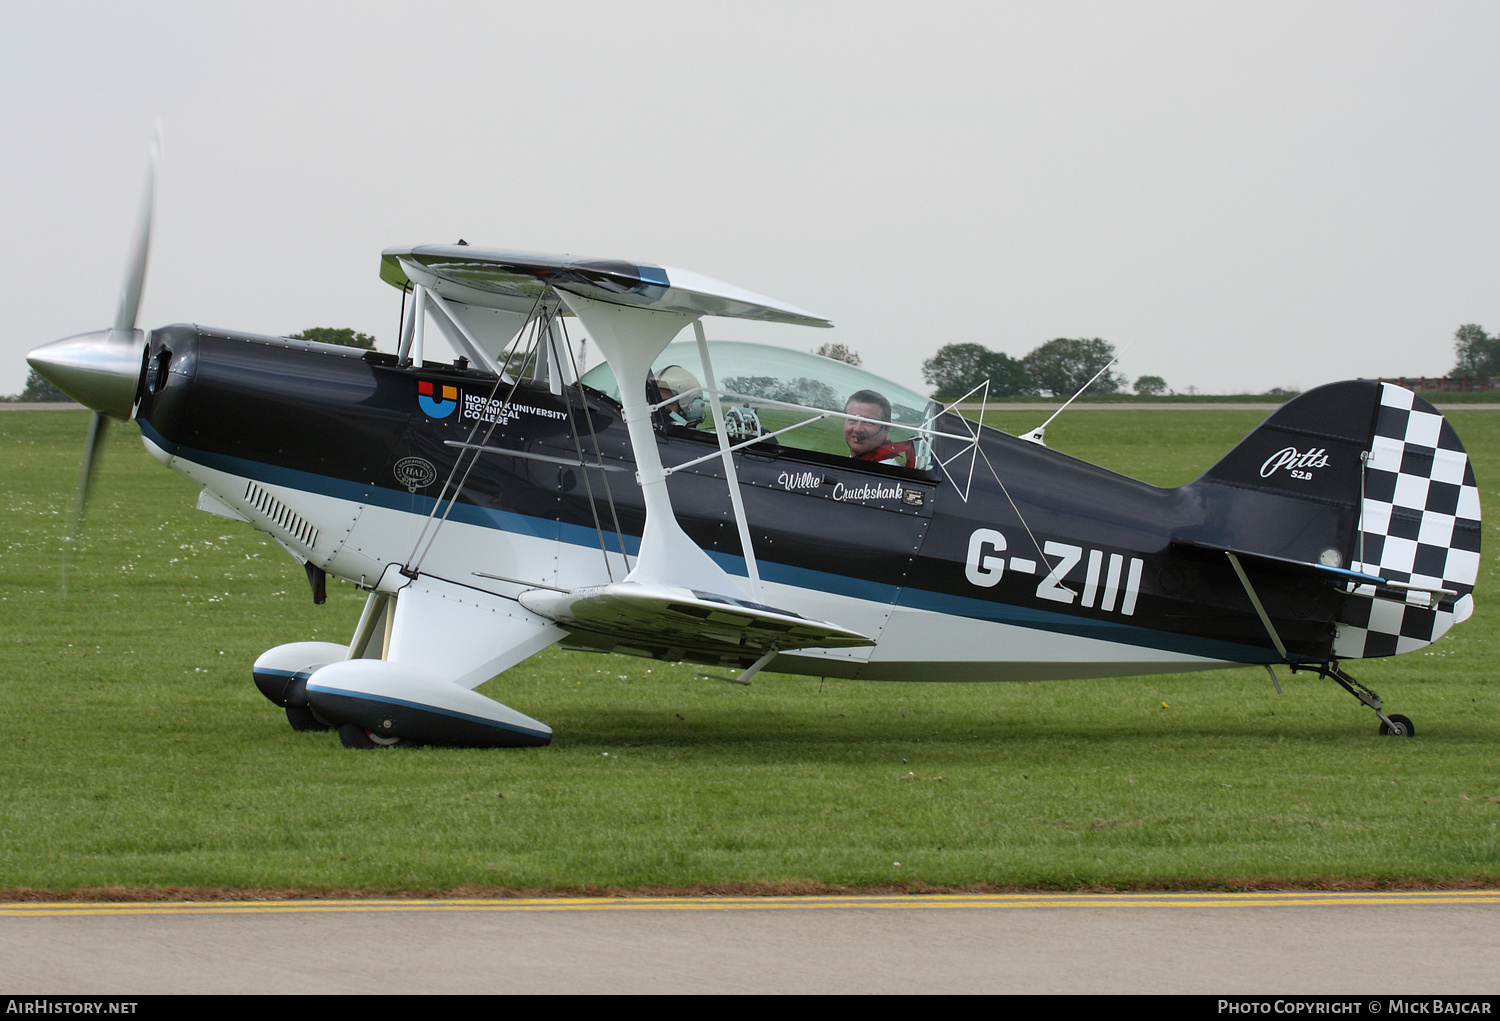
(281, 516)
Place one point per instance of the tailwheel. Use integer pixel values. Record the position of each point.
(1396, 725)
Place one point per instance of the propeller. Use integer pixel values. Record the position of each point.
(103, 369)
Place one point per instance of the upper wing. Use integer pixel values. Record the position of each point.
(514, 280)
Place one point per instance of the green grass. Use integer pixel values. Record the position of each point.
(138, 754)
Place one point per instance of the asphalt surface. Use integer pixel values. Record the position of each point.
(1359, 944)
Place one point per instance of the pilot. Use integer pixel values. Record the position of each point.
(868, 441)
(689, 411)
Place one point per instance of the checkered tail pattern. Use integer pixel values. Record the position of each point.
(1419, 524)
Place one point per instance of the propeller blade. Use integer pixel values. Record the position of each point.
(135, 269)
(92, 448)
(102, 369)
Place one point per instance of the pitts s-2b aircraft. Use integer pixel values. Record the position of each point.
(752, 508)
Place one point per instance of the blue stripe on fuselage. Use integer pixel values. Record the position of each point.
(781, 574)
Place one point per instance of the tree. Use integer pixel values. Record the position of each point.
(1062, 366)
(39, 390)
(958, 368)
(1151, 386)
(839, 353)
(1478, 353)
(344, 338)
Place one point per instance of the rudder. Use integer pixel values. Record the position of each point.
(1419, 524)
(1357, 476)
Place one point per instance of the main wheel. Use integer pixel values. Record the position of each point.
(358, 737)
(301, 718)
(1400, 726)
(355, 737)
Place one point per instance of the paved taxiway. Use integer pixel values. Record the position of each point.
(1389, 943)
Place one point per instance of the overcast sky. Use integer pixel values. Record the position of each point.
(1247, 195)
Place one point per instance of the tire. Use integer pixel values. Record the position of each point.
(301, 718)
(355, 737)
(1400, 726)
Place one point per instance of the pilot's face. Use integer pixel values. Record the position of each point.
(863, 437)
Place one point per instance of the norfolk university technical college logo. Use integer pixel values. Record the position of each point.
(429, 402)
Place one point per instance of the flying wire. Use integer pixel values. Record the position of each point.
(414, 562)
(609, 494)
(567, 394)
(1021, 517)
(501, 413)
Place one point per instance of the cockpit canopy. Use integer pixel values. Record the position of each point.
(768, 389)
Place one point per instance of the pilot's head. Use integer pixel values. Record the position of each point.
(864, 437)
(674, 380)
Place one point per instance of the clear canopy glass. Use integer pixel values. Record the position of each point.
(768, 389)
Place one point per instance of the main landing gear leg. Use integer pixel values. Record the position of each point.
(1394, 725)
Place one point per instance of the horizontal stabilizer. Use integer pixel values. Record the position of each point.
(697, 625)
(1367, 584)
(1336, 575)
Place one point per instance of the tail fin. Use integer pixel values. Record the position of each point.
(1362, 476)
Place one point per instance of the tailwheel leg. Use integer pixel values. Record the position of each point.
(1394, 725)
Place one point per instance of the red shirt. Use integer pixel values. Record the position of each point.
(901, 453)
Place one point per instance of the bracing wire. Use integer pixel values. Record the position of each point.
(442, 493)
(588, 484)
(609, 493)
(414, 561)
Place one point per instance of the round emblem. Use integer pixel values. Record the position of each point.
(415, 473)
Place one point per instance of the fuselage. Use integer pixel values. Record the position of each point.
(1045, 567)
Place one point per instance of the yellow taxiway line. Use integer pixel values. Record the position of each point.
(910, 902)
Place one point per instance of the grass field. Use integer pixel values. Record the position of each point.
(138, 755)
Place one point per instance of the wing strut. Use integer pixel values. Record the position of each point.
(730, 474)
(630, 339)
(609, 493)
(750, 672)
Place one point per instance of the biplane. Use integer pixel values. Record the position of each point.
(748, 507)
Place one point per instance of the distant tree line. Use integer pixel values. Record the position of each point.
(344, 338)
(38, 391)
(839, 353)
(1059, 367)
(1478, 353)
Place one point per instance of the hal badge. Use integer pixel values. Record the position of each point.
(415, 472)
